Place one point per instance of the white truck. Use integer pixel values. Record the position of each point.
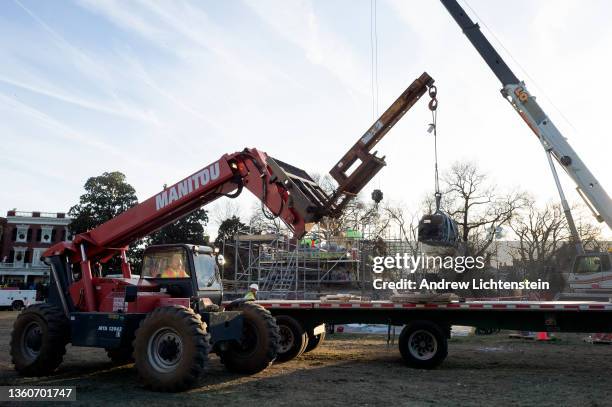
(17, 299)
(590, 278)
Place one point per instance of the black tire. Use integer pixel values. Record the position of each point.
(171, 349)
(423, 345)
(314, 341)
(17, 305)
(121, 356)
(293, 338)
(258, 347)
(39, 338)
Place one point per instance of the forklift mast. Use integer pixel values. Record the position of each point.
(366, 164)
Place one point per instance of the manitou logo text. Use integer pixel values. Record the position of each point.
(187, 186)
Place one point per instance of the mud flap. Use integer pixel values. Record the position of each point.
(101, 330)
(319, 329)
(223, 326)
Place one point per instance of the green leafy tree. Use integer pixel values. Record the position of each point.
(227, 229)
(105, 197)
(189, 229)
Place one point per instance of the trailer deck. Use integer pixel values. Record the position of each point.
(423, 341)
(475, 305)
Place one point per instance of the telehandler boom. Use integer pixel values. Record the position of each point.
(169, 318)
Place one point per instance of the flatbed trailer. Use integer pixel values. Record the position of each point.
(423, 340)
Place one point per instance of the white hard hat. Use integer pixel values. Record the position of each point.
(254, 287)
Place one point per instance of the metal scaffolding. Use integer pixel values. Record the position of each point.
(285, 268)
(288, 269)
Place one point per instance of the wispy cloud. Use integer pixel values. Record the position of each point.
(297, 22)
(75, 137)
(85, 64)
(75, 100)
(159, 88)
(169, 24)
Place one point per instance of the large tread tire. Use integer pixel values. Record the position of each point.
(423, 345)
(259, 346)
(39, 338)
(171, 349)
(314, 341)
(293, 338)
(121, 356)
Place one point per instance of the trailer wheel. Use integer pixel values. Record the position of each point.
(293, 338)
(258, 346)
(314, 341)
(17, 305)
(121, 356)
(171, 349)
(38, 340)
(423, 345)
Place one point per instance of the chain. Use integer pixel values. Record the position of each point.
(433, 107)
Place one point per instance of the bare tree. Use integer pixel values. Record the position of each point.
(356, 215)
(262, 223)
(545, 247)
(224, 209)
(406, 223)
(589, 232)
(543, 231)
(477, 206)
(540, 232)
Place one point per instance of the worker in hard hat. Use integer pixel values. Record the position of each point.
(175, 269)
(251, 295)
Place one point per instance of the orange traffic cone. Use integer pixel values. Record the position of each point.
(542, 336)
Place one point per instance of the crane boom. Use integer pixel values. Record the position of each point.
(530, 111)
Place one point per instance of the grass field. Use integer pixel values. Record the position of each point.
(357, 370)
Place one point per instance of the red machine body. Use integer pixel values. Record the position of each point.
(288, 192)
(232, 172)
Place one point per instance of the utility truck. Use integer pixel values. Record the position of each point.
(16, 299)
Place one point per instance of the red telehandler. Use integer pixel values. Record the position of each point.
(168, 318)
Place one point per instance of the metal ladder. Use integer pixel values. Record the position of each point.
(280, 277)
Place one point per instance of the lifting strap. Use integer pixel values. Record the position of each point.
(433, 107)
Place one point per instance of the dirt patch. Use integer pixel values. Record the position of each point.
(360, 370)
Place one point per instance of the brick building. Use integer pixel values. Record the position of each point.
(24, 236)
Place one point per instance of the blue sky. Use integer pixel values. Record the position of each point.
(159, 89)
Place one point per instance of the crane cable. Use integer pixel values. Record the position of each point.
(374, 74)
(374, 58)
(433, 128)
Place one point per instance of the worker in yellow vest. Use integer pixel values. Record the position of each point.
(251, 295)
(175, 269)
